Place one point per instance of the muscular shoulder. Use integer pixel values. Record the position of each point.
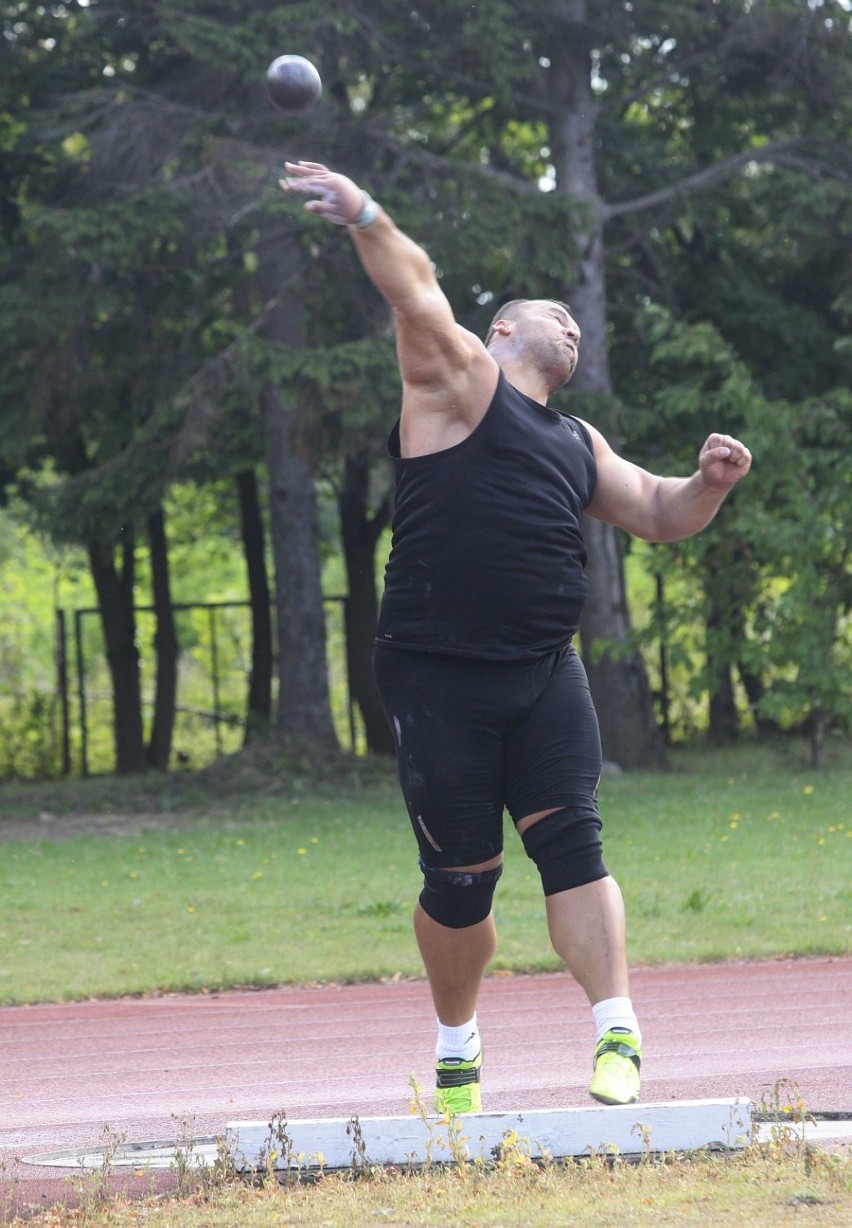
(444, 402)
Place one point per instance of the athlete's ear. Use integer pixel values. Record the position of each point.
(502, 327)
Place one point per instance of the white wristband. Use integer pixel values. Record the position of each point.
(369, 213)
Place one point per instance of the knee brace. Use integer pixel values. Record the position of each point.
(457, 898)
(566, 848)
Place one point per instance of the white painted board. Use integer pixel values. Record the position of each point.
(676, 1125)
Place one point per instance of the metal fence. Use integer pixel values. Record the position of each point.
(214, 666)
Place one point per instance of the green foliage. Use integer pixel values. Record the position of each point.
(352, 387)
(27, 743)
(37, 576)
(138, 159)
(33, 576)
(778, 577)
(797, 520)
(99, 365)
(670, 626)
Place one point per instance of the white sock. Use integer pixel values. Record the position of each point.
(463, 1042)
(615, 1013)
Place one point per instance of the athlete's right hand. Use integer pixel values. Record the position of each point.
(340, 200)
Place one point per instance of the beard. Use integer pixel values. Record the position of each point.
(556, 360)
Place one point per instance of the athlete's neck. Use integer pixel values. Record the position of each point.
(527, 380)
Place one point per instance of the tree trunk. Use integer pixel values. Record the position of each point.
(115, 601)
(724, 725)
(259, 699)
(728, 588)
(259, 704)
(304, 710)
(617, 675)
(159, 748)
(721, 622)
(818, 731)
(616, 672)
(360, 532)
(755, 689)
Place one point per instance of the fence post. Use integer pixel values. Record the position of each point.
(214, 666)
(62, 686)
(350, 698)
(81, 692)
(664, 658)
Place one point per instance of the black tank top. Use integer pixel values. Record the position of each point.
(487, 556)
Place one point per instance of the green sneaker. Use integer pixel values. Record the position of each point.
(457, 1087)
(617, 1059)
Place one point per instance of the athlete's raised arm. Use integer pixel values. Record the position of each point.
(441, 363)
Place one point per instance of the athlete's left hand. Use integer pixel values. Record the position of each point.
(723, 461)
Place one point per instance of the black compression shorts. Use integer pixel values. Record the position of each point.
(474, 737)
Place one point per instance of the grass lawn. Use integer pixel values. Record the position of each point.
(203, 882)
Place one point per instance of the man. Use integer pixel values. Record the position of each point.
(486, 696)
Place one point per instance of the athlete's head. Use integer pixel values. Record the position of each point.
(537, 332)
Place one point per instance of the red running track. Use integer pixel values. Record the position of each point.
(145, 1067)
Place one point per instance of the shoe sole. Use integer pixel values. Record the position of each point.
(609, 1100)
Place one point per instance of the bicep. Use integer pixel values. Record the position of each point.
(625, 494)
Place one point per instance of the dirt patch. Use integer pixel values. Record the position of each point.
(55, 827)
(235, 785)
(239, 786)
